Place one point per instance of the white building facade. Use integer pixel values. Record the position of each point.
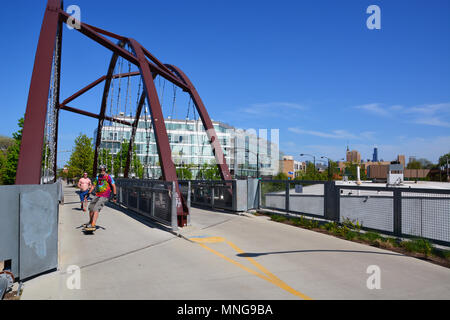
(247, 153)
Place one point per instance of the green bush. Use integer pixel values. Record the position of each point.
(350, 235)
(418, 245)
(371, 236)
(393, 242)
(296, 222)
(278, 218)
(352, 224)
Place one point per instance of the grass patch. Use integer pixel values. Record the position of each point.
(278, 218)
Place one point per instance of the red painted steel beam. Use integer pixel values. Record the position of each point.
(84, 90)
(30, 157)
(95, 83)
(88, 31)
(106, 33)
(207, 124)
(162, 139)
(92, 34)
(127, 74)
(93, 115)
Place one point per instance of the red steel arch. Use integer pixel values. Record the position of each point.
(30, 158)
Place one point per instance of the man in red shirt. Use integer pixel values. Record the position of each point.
(102, 185)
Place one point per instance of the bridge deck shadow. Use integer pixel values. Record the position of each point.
(257, 254)
(139, 217)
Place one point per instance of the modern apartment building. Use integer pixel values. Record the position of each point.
(246, 154)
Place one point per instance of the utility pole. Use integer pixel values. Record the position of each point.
(329, 167)
(447, 169)
(314, 158)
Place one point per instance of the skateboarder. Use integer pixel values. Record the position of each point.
(103, 185)
(84, 184)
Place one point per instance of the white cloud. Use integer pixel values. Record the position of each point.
(335, 134)
(374, 108)
(272, 109)
(427, 114)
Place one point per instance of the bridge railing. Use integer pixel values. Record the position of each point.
(399, 211)
(230, 195)
(151, 198)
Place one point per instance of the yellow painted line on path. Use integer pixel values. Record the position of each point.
(208, 240)
(266, 274)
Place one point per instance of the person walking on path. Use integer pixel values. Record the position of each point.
(84, 184)
(103, 186)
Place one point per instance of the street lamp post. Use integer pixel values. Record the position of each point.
(329, 167)
(447, 169)
(305, 154)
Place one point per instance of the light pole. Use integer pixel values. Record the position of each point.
(305, 154)
(329, 169)
(447, 169)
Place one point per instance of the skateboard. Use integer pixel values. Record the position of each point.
(89, 230)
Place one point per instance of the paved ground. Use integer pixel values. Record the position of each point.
(227, 257)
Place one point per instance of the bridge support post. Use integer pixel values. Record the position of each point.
(30, 157)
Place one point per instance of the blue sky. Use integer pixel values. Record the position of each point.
(309, 68)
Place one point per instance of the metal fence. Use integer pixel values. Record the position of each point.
(399, 211)
(151, 198)
(229, 195)
(309, 198)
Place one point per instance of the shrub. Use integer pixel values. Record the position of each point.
(278, 218)
(350, 235)
(371, 236)
(352, 224)
(418, 245)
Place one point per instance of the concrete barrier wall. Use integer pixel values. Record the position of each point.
(29, 228)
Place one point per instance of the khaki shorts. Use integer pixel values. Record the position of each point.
(97, 204)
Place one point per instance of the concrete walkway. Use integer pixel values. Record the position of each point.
(224, 256)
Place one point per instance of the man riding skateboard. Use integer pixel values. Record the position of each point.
(102, 185)
(84, 184)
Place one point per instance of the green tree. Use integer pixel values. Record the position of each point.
(414, 165)
(351, 168)
(209, 172)
(82, 157)
(6, 142)
(443, 159)
(2, 164)
(184, 172)
(120, 162)
(311, 173)
(9, 167)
